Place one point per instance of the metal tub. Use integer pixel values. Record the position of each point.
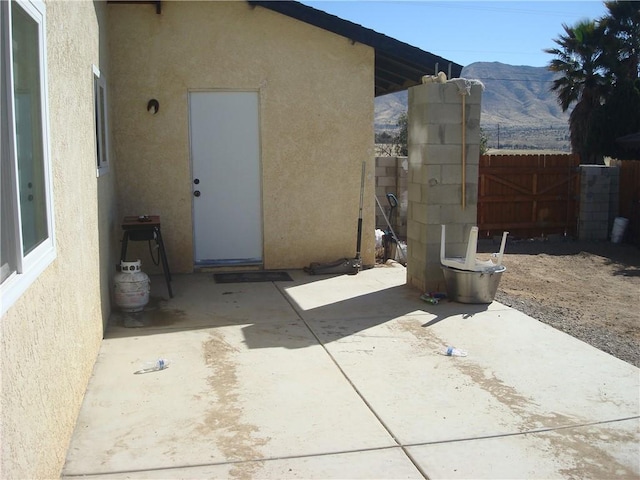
(465, 286)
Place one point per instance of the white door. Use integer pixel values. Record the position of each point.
(226, 186)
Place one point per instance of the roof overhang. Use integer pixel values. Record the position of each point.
(156, 3)
(398, 65)
(630, 142)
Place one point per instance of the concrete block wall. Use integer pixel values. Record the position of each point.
(599, 192)
(391, 177)
(435, 177)
(614, 195)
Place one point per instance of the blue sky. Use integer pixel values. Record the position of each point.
(512, 32)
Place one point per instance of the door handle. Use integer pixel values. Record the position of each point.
(196, 193)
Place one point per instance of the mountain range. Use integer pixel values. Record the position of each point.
(519, 111)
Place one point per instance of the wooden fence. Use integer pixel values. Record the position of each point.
(528, 195)
(629, 206)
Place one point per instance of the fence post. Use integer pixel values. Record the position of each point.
(594, 218)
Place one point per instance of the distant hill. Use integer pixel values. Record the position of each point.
(387, 110)
(518, 108)
(516, 95)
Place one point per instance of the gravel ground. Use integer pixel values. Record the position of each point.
(590, 290)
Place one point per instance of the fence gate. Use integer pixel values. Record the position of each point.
(528, 195)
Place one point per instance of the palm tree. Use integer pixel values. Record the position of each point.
(619, 115)
(584, 79)
(622, 38)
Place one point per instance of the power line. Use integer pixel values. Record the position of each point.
(500, 9)
(516, 79)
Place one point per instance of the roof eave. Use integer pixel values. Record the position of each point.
(398, 65)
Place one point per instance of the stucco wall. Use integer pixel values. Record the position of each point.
(316, 122)
(51, 335)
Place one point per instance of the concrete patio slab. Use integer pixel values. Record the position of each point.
(518, 376)
(341, 376)
(374, 293)
(366, 465)
(218, 401)
(600, 451)
(201, 302)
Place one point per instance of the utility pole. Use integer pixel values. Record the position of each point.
(498, 136)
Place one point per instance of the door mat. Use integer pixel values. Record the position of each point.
(247, 277)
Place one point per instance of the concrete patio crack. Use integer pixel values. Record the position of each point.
(353, 386)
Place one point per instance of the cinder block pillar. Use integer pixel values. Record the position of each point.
(435, 176)
(614, 195)
(598, 201)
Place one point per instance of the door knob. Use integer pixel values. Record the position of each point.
(196, 193)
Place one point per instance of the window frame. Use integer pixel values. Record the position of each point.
(101, 119)
(28, 266)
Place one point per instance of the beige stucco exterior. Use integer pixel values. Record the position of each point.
(51, 335)
(316, 129)
(316, 123)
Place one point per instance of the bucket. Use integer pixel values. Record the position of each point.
(390, 246)
(467, 286)
(619, 226)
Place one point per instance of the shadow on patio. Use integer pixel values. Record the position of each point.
(358, 302)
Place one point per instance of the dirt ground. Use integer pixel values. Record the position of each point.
(590, 290)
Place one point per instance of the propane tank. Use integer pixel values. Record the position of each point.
(131, 287)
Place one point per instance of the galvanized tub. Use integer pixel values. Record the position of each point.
(465, 286)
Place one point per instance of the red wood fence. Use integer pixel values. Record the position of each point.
(528, 195)
(629, 206)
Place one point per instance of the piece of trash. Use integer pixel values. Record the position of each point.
(433, 297)
(453, 352)
(427, 298)
(148, 367)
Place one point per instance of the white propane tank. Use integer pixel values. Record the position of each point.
(131, 287)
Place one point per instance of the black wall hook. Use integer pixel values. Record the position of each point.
(153, 106)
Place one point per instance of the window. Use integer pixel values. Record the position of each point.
(100, 108)
(27, 243)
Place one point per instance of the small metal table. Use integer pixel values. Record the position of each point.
(145, 228)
